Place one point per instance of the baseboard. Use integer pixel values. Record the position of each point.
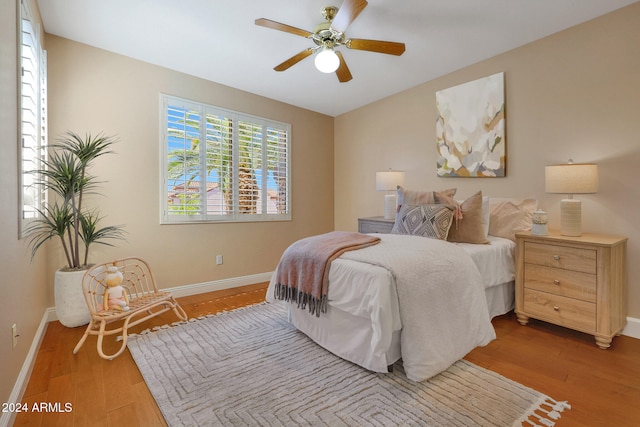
(50, 314)
(633, 328)
(8, 418)
(198, 288)
(217, 285)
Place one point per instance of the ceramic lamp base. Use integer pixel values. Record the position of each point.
(389, 206)
(570, 217)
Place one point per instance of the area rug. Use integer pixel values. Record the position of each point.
(251, 367)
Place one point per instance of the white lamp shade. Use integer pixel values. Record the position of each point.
(327, 61)
(571, 178)
(389, 180)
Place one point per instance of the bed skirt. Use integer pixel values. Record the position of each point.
(351, 337)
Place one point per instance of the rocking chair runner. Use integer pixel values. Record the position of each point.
(144, 300)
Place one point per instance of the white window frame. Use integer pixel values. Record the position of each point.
(32, 113)
(233, 214)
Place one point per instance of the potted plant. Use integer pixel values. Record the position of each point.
(65, 176)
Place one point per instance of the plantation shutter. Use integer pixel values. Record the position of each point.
(220, 200)
(33, 117)
(223, 166)
(250, 182)
(277, 154)
(184, 168)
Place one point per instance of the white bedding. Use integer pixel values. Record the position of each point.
(495, 261)
(364, 317)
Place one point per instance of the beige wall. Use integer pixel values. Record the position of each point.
(92, 90)
(22, 283)
(574, 95)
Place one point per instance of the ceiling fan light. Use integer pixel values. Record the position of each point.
(327, 61)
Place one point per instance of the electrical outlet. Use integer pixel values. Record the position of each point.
(218, 259)
(14, 334)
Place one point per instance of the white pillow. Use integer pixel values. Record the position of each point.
(511, 216)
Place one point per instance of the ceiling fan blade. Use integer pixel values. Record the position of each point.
(343, 73)
(264, 22)
(390, 48)
(293, 60)
(347, 13)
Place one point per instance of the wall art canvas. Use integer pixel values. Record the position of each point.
(470, 129)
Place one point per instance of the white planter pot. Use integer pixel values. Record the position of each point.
(71, 307)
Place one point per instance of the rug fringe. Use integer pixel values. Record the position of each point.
(550, 408)
(183, 322)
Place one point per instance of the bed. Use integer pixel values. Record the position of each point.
(376, 312)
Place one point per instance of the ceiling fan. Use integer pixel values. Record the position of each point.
(330, 34)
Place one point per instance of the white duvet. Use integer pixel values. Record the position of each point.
(440, 294)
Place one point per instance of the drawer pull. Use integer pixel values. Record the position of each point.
(556, 308)
(556, 282)
(556, 257)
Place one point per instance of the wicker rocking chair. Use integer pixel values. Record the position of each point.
(145, 302)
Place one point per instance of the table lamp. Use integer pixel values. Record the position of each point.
(389, 181)
(571, 178)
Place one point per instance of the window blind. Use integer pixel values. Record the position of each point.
(221, 165)
(33, 118)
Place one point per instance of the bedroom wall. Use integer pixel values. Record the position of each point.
(23, 284)
(92, 90)
(575, 94)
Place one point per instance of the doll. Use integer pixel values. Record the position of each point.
(115, 296)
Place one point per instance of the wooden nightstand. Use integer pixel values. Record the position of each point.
(375, 224)
(575, 282)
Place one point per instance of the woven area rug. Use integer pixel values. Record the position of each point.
(251, 367)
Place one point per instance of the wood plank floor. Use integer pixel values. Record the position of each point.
(602, 386)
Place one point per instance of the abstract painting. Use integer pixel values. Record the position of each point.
(470, 129)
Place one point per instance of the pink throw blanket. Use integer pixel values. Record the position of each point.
(303, 272)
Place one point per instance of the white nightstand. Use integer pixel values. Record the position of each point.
(575, 282)
(375, 224)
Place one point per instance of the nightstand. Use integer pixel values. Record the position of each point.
(375, 224)
(575, 282)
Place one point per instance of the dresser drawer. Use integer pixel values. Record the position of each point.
(375, 226)
(563, 311)
(557, 281)
(569, 258)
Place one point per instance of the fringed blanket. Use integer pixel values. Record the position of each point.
(303, 270)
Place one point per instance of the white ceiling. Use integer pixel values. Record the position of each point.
(218, 40)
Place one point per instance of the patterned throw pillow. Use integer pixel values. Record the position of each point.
(431, 221)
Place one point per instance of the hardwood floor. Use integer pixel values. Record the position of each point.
(602, 386)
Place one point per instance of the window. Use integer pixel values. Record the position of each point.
(221, 165)
(33, 117)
